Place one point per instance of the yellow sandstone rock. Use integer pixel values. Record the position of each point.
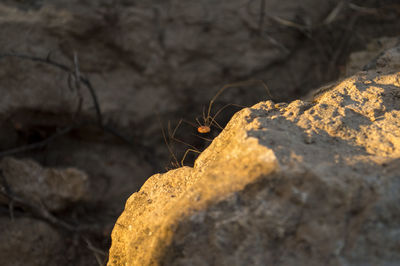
(308, 183)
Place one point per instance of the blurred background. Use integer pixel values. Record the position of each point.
(149, 65)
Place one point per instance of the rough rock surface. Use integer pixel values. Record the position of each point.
(27, 241)
(142, 55)
(366, 59)
(146, 49)
(139, 56)
(305, 183)
(56, 189)
(165, 55)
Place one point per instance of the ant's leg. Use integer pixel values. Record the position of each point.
(186, 153)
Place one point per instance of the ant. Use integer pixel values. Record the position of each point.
(208, 120)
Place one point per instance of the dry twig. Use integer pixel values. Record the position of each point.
(65, 68)
(75, 79)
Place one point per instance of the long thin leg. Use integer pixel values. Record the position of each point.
(198, 122)
(206, 139)
(190, 123)
(215, 123)
(212, 118)
(237, 84)
(204, 116)
(172, 135)
(167, 143)
(186, 153)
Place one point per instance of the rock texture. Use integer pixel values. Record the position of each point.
(147, 49)
(304, 183)
(27, 241)
(140, 56)
(55, 189)
(31, 198)
(366, 59)
(165, 55)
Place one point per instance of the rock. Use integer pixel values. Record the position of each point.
(56, 189)
(152, 53)
(304, 183)
(26, 241)
(366, 59)
(140, 57)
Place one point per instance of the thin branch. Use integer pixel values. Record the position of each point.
(39, 211)
(5, 189)
(78, 78)
(39, 144)
(334, 13)
(262, 16)
(96, 252)
(83, 79)
(77, 85)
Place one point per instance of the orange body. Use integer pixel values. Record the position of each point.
(203, 129)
